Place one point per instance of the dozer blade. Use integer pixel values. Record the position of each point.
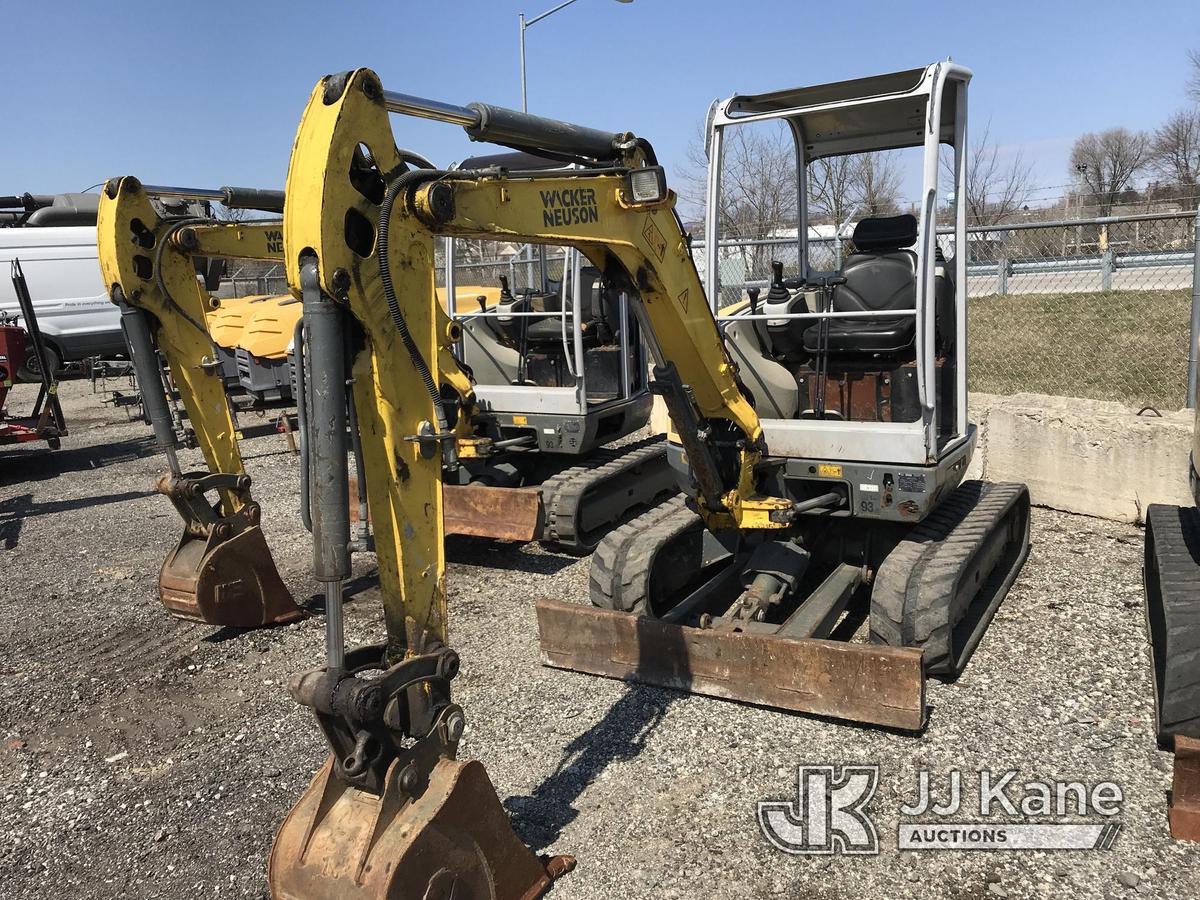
(857, 682)
(510, 514)
(453, 841)
(226, 581)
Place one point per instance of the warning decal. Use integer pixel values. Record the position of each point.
(654, 239)
(683, 299)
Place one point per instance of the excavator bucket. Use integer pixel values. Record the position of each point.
(226, 581)
(221, 571)
(451, 841)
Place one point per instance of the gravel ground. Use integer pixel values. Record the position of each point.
(145, 757)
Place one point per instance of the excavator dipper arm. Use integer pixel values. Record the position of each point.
(221, 571)
(639, 245)
(392, 813)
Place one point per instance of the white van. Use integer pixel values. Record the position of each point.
(62, 269)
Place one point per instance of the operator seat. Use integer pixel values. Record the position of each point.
(595, 311)
(880, 275)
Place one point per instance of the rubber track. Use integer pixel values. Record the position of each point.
(1172, 584)
(565, 492)
(915, 589)
(621, 565)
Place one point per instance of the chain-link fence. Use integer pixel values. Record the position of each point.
(253, 281)
(1097, 308)
(488, 260)
(1094, 308)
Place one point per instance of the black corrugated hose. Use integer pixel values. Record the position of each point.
(407, 181)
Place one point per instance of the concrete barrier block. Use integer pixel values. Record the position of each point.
(1085, 456)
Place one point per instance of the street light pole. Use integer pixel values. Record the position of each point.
(525, 23)
(524, 101)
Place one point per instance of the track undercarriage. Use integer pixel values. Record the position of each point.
(567, 508)
(1171, 575)
(779, 621)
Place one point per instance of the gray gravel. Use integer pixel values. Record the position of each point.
(144, 757)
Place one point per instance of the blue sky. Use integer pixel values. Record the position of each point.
(207, 94)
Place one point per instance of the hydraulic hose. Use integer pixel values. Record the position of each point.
(163, 241)
(407, 181)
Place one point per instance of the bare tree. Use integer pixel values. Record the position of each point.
(1175, 153)
(833, 188)
(877, 181)
(995, 189)
(224, 213)
(758, 185)
(758, 180)
(1193, 86)
(1107, 162)
(863, 184)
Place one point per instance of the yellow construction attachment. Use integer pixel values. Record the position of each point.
(221, 571)
(392, 813)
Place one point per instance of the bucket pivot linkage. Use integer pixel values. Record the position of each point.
(392, 813)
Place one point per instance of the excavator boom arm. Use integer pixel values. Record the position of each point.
(140, 259)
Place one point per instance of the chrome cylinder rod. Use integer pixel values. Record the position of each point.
(166, 192)
(230, 197)
(408, 105)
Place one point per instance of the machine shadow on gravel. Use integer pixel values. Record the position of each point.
(474, 551)
(38, 465)
(15, 510)
(620, 736)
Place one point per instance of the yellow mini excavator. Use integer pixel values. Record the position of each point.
(544, 474)
(732, 592)
(858, 379)
(260, 354)
(221, 571)
(226, 319)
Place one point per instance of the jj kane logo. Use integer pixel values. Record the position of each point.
(830, 813)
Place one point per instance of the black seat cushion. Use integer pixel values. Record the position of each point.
(885, 233)
(880, 275)
(546, 331)
(875, 336)
(598, 303)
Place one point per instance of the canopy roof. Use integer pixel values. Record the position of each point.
(882, 112)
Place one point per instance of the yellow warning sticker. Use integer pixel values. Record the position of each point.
(520, 420)
(654, 239)
(829, 470)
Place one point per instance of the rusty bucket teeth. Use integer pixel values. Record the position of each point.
(453, 840)
(226, 579)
